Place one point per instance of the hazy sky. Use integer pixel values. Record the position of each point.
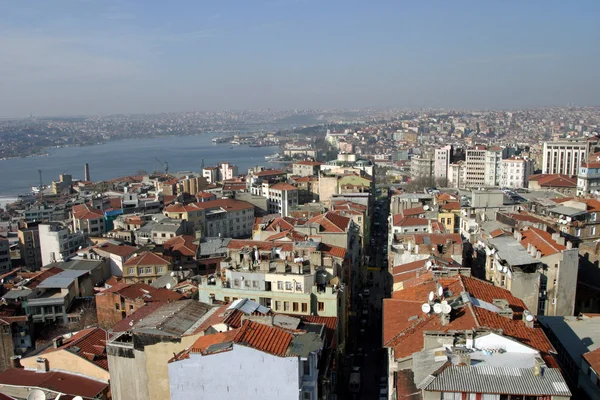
(67, 57)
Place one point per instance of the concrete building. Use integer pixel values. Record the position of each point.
(262, 354)
(145, 267)
(442, 160)
(475, 167)
(306, 168)
(456, 174)
(422, 167)
(5, 263)
(29, 245)
(211, 174)
(258, 181)
(16, 338)
(64, 182)
(515, 171)
(57, 242)
(588, 177)
(493, 159)
(142, 344)
(281, 197)
(565, 156)
(227, 171)
(88, 220)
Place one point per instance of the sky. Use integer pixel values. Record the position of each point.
(89, 57)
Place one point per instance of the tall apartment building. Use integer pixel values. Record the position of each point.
(493, 158)
(475, 166)
(515, 171)
(221, 172)
(29, 245)
(456, 174)
(442, 162)
(281, 197)
(566, 155)
(421, 167)
(57, 242)
(5, 263)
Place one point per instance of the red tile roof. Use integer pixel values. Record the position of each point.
(411, 212)
(147, 258)
(41, 276)
(204, 342)
(308, 162)
(282, 223)
(408, 270)
(122, 250)
(269, 172)
(272, 340)
(82, 211)
(437, 238)
(292, 235)
(61, 382)
(524, 217)
(88, 343)
(334, 251)
(451, 206)
(554, 180)
(282, 186)
(593, 358)
(144, 291)
(410, 221)
(226, 204)
(405, 323)
(331, 222)
(182, 244)
(261, 245)
(542, 241)
(182, 208)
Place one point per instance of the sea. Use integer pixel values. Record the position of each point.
(126, 157)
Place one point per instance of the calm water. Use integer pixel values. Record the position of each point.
(121, 158)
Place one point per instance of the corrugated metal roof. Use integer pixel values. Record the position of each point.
(172, 319)
(62, 280)
(487, 379)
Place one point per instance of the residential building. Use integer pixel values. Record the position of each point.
(192, 184)
(64, 182)
(211, 174)
(145, 267)
(306, 168)
(566, 155)
(142, 344)
(281, 197)
(182, 251)
(227, 171)
(493, 158)
(443, 156)
(348, 163)
(577, 340)
(16, 336)
(211, 251)
(553, 182)
(57, 242)
(115, 253)
(475, 167)
(514, 172)
(5, 263)
(456, 174)
(162, 228)
(29, 245)
(414, 246)
(308, 188)
(82, 353)
(422, 167)
(440, 347)
(258, 181)
(276, 363)
(39, 212)
(120, 301)
(88, 220)
(588, 176)
(187, 212)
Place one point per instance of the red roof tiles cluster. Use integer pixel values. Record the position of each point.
(147, 258)
(542, 241)
(554, 180)
(83, 211)
(331, 222)
(282, 186)
(140, 290)
(61, 382)
(89, 344)
(182, 245)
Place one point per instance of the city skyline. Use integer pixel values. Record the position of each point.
(86, 57)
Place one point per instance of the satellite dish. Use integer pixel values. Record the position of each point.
(77, 398)
(428, 264)
(561, 217)
(425, 208)
(437, 308)
(36, 394)
(440, 291)
(173, 273)
(431, 295)
(446, 309)
(505, 269)
(426, 308)
(569, 219)
(168, 286)
(529, 317)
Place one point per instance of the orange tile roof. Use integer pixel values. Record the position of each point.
(437, 238)
(269, 172)
(554, 180)
(593, 358)
(331, 222)
(70, 385)
(82, 211)
(144, 291)
(226, 204)
(282, 186)
(261, 245)
(282, 223)
(410, 221)
(451, 205)
(88, 343)
(121, 250)
(541, 240)
(292, 235)
(272, 340)
(446, 197)
(182, 244)
(409, 212)
(204, 342)
(147, 258)
(334, 251)
(308, 162)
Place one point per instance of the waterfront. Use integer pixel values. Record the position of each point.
(126, 157)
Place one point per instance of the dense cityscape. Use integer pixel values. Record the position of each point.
(379, 254)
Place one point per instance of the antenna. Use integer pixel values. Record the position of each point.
(36, 394)
(426, 308)
(437, 308)
(431, 296)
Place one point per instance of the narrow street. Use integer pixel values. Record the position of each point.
(366, 354)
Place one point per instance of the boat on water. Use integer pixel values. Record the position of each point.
(37, 189)
(272, 157)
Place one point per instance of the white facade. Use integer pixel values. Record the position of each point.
(456, 175)
(475, 167)
(233, 223)
(565, 156)
(280, 201)
(514, 172)
(442, 161)
(211, 174)
(258, 375)
(493, 160)
(228, 171)
(57, 243)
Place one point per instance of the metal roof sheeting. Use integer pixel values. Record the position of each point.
(487, 379)
(62, 280)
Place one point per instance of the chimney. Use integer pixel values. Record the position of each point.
(42, 364)
(211, 299)
(86, 172)
(528, 318)
(15, 362)
(538, 367)
(569, 245)
(555, 236)
(57, 342)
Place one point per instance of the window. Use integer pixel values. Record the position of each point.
(277, 305)
(148, 270)
(320, 306)
(593, 230)
(451, 396)
(286, 306)
(131, 271)
(160, 270)
(236, 283)
(130, 307)
(255, 284)
(593, 216)
(299, 286)
(304, 307)
(578, 232)
(295, 307)
(306, 367)
(279, 285)
(247, 283)
(226, 299)
(288, 286)
(117, 306)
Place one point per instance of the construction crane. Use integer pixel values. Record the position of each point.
(165, 165)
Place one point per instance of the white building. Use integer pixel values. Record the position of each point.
(456, 174)
(565, 156)
(271, 362)
(57, 242)
(482, 166)
(5, 264)
(227, 218)
(588, 178)
(281, 197)
(493, 158)
(227, 171)
(515, 171)
(211, 174)
(442, 161)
